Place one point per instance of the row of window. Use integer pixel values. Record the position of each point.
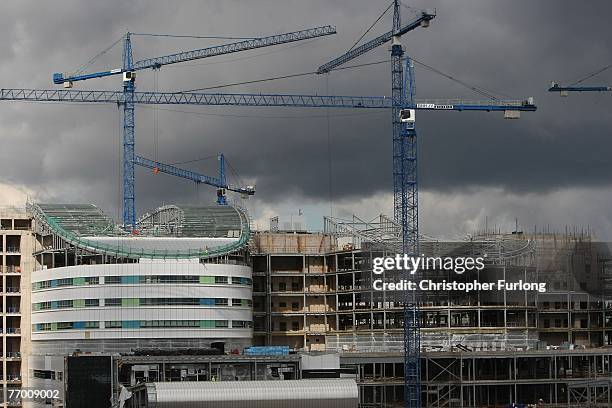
(131, 302)
(65, 326)
(143, 324)
(143, 279)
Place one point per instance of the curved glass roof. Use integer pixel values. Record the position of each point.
(167, 232)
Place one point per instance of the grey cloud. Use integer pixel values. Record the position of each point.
(71, 152)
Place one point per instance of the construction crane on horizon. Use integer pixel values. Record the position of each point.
(574, 87)
(128, 72)
(405, 182)
(219, 182)
(565, 90)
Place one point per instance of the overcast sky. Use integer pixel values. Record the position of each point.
(551, 167)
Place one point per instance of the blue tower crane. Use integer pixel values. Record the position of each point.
(219, 182)
(129, 76)
(405, 171)
(575, 87)
(258, 99)
(565, 90)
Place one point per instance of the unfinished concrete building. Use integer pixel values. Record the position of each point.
(15, 267)
(313, 291)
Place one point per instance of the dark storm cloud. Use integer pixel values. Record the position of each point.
(71, 153)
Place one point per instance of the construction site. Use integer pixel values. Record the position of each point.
(195, 305)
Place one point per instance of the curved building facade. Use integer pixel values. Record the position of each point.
(180, 280)
(118, 307)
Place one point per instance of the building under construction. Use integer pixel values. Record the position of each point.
(196, 278)
(314, 291)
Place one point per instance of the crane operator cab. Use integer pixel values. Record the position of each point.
(129, 76)
(563, 93)
(407, 115)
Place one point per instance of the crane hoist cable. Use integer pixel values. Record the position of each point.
(195, 160)
(78, 70)
(591, 75)
(235, 173)
(372, 26)
(479, 90)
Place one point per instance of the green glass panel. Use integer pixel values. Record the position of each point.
(130, 302)
(207, 279)
(207, 324)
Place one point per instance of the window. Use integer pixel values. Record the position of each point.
(42, 306)
(92, 325)
(295, 326)
(92, 280)
(237, 280)
(112, 280)
(92, 302)
(43, 374)
(221, 323)
(41, 327)
(282, 304)
(115, 324)
(282, 326)
(221, 279)
(112, 302)
(282, 286)
(64, 325)
(295, 306)
(63, 304)
(295, 286)
(64, 282)
(41, 285)
(236, 302)
(238, 324)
